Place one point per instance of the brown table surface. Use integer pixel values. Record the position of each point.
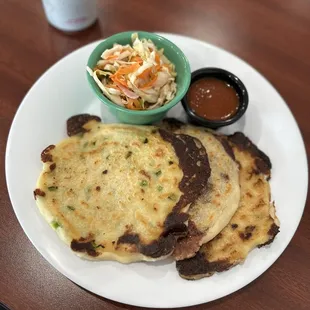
(272, 35)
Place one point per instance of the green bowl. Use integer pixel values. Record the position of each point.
(171, 51)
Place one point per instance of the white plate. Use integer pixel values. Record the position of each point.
(63, 91)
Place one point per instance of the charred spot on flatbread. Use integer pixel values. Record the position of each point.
(75, 123)
(198, 265)
(46, 156)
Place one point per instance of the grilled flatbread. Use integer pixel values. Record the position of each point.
(254, 223)
(214, 208)
(120, 192)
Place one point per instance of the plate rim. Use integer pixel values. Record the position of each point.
(81, 283)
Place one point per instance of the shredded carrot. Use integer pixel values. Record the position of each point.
(130, 105)
(157, 58)
(145, 74)
(148, 77)
(150, 83)
(119, 75)
(119, 79)
(127, 69)
(133, 104)
(137, 59)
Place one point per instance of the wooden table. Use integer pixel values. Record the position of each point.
(272, 35)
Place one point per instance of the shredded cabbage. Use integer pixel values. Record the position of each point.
(137, 77)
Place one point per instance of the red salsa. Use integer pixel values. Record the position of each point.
(213, 99)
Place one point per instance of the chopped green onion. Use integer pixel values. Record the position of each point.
(52, 188)
(146, 140)
(158, 173)
(143, 183)
(71, 208)
(55, 224)
(159, 188)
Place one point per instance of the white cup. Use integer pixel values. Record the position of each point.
(70, 15)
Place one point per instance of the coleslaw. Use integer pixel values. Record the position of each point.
(137, 77)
